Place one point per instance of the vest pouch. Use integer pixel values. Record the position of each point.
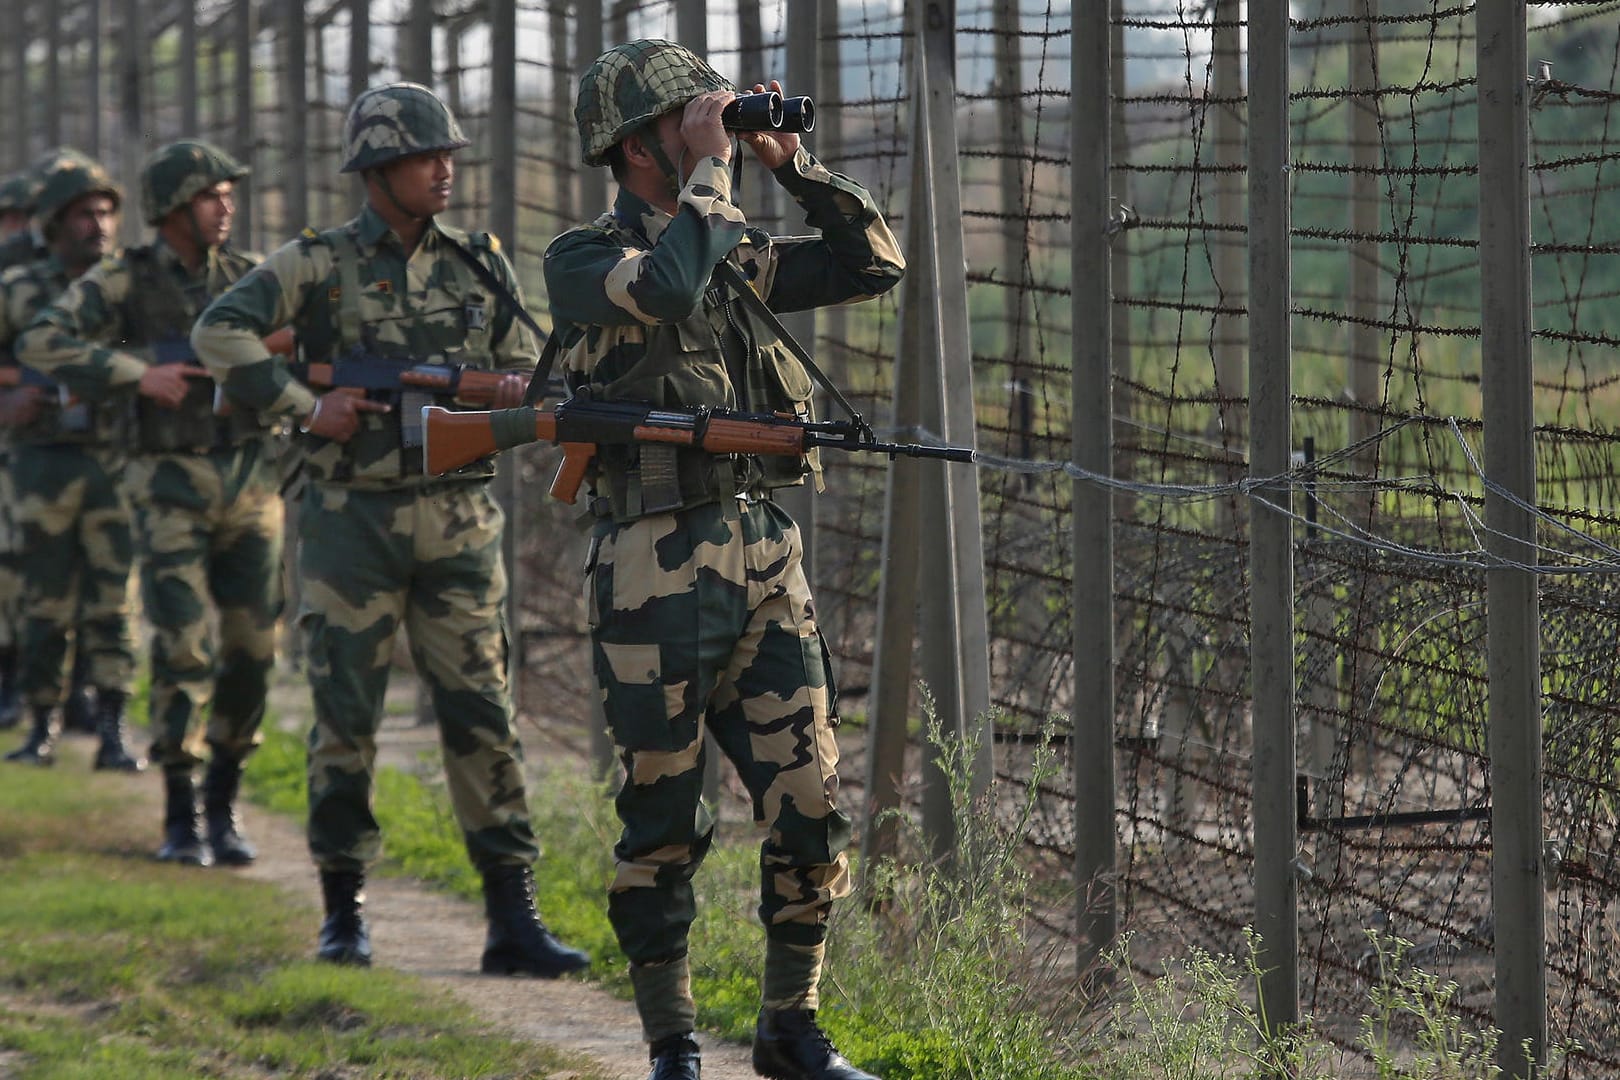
(681, 365)
(190, 427)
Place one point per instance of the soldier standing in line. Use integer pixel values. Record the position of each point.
(381, 545)
(17, 194)
(76, 549)
(701, 616)
(208, 512)
(23, 244)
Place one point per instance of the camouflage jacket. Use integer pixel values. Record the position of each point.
(24, 291)
(357, 286)
(96, 338)
(632, 299)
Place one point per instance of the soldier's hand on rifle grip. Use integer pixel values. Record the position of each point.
(337, 414)
(166, 383)
(508, 393)
(281, 342)
(19, 407)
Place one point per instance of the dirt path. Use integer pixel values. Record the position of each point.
(437, 937)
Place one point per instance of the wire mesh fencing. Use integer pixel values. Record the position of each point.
(1388, 488)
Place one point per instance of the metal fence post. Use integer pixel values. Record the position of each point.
(294, 119)
(245, 29)
(955, 632)
(1091, 374)
(692, 25)
(53, 78)
(1271, 552)
(131, 64)
(803, 69)
(1513, 662)
(416, 44)
(188, 67)
(503, 221)
(95, 17)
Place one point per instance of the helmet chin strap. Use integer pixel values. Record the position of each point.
(655, 148)
(388, 190)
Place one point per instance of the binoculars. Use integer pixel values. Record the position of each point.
(769, 111)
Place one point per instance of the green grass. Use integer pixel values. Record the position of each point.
(114, 965)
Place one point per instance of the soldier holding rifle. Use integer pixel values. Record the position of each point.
(208, 515)
(75, 550)
(700, 612)
(381, 545)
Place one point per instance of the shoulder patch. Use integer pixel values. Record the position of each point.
(487, 240)
(309, 233)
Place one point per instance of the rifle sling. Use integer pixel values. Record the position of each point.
(536, 391)
(728, 273)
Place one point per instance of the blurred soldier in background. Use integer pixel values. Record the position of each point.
(76, 548)
(701, 617)
(17, 193)
(23, 244)
(204, 489)
(380, 544)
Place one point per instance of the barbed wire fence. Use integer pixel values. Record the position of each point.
(1391, 547)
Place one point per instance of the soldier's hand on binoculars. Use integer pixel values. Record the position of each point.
(773, 148)
(701, 129)
(509, 392)
(166, 383)
(19, 407)
(337, 414)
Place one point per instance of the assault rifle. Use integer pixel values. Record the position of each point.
(453, 439)
(361, 371)
(13, 376)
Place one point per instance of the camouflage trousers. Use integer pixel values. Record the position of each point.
(209, 528)
(372, 561)
(702, 621)
(10, 582)
(75, 561)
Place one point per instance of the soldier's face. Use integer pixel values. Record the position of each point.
(85, 231)
(213, 209)
(421, 183)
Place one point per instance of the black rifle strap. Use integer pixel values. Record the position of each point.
(550, 347)
(728, 273)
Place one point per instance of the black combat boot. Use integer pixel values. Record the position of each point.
(40, 746)
(675, 1058)
(181, 841)
(79, 710)
(518, 942)
(10, 704)
(114, 752)
(344, 937)
(220, 784)
(788, 1045)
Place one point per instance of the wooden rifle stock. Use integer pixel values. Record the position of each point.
(451, 440)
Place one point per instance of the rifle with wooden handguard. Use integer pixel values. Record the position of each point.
(454, 439)
(363, 371)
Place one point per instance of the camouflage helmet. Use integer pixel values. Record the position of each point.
(175, 174)
(18, 192)
(67, 177)
(634, 83)
(394, 121)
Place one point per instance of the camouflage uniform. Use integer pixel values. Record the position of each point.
(16, 193)
(701, 617)
(208, 512)
(382, 545)
(76, 546)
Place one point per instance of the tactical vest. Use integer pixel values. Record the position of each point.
(158, 315)
(720, 355)
(63, 421)
(398, 431)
